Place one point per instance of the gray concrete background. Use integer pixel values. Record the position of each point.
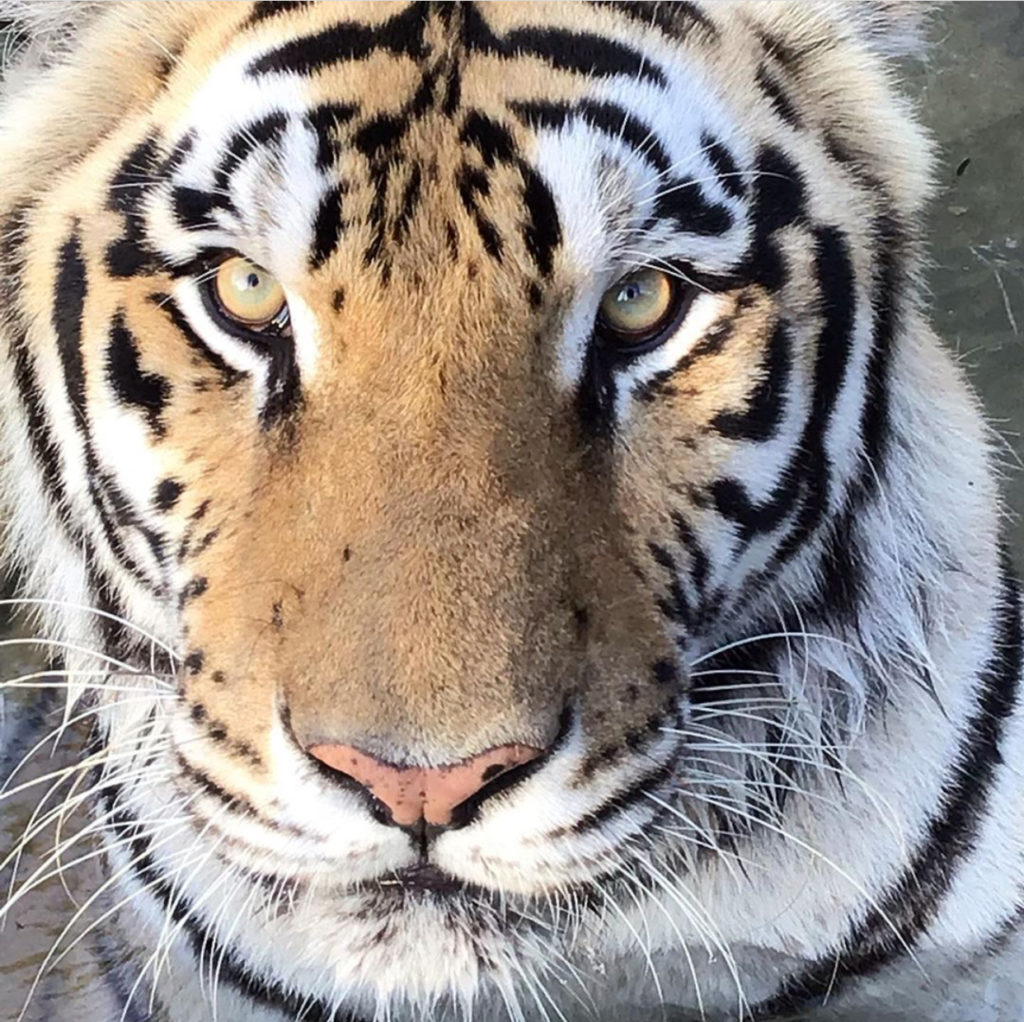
(971, 92)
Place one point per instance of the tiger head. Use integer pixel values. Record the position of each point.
(430, 424)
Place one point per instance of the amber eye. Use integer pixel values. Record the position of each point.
(639, 309)
(249, 296)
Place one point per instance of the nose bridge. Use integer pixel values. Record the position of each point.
(444, 568)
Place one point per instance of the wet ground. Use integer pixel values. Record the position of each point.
(971, 91)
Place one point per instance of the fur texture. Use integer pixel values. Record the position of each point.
(745, 587)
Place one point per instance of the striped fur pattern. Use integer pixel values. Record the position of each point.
(746, 588)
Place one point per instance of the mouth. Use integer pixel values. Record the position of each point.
(422, 880)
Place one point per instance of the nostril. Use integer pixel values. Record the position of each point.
(442, 797)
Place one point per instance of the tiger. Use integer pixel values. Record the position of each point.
(507, 542)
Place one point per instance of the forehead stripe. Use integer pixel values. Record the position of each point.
(401, 35)
(610, 119)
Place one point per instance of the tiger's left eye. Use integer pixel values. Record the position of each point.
(639, 310)
(248, 296)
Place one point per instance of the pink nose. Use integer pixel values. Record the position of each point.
(428, 793)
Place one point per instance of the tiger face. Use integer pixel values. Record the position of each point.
(427, 406)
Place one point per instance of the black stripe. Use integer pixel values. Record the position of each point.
(130, 254)
(263, 10)
(328, 227)
(622, 802)
(875, 426)
(262, 133)
(700, 564)
(610, 119)
(760, 419)
(677, 608)
(913, 901)
(229, 375)
(401, 35)
(194, 208)
(241, 976)
(582, 53)
(410, 202)
(776, 95)
(113, 507)
(491, 139)
(68, 308)
(472, 182)
(325, 121)
(676, 19)
(724, 166)
(45, 448)
(542, 232)
(779, 200)
(806, 481)
(833, 268)
(682, 200)
(148, 392)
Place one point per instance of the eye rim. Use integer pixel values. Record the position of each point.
(682, 294)
(278, 327)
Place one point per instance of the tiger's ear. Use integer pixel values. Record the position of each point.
(890, 28)
(42, 29)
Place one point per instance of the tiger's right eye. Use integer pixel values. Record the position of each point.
(248, 296)
(641, 309)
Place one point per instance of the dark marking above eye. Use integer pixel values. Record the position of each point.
(130, 254)
(724, 166)
(168, 493)
(262, 133)
(133, 177)
(338, 299)
(683, 202)
(542, 232)
(194, 208)
(328, 228)
(325, 120)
